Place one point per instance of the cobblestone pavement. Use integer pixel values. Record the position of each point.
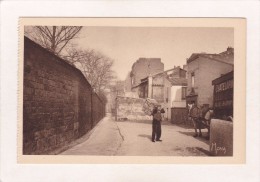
(133, 138)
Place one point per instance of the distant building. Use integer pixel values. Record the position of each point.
(112, 92)
(142, 68)
(110, 100)
(202, 68)
(167, 87)
(128, 84)
(119, 88)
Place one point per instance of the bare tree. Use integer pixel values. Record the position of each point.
(53, 38)
(96, 67)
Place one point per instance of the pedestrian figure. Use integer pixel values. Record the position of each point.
(157, 119)
(195, 115)
(207, 119)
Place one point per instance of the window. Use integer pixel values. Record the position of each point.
(183, 93)
(132, 81)
(192, 79)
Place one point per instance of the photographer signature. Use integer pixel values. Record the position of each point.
(217, 149)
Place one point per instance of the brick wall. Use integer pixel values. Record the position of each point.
(59, 105)
(128, 108)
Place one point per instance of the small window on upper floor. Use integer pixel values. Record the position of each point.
(132, 81)
(192, 79)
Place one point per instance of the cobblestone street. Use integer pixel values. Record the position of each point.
(133, 138)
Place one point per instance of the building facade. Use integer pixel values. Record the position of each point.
(168, 88)
(223, 96)
(202, 68)
(144, 67)
(118, 89)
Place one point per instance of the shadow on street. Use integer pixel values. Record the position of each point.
(146, 136)
(167, 123)
(204, 151)
(185, 126)
(191, 133)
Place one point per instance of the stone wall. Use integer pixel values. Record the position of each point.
(128, 108)
(59, 105)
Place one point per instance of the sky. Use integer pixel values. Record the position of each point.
(173, 45)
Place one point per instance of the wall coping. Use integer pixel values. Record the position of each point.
(31, 42)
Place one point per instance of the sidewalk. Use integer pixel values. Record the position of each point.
(104, 140)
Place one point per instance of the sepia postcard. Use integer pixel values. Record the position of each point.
(132, 90)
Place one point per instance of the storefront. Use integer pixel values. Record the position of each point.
(223, 96)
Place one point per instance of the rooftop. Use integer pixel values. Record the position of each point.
(178, 81)
(166, 71)
(225, 57)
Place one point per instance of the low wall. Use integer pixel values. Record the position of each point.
(128, 108)
(221, 138)
(59, 105)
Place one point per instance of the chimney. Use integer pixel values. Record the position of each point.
(185, 67)
(230, 49)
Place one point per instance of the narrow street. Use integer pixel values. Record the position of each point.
(133, 138)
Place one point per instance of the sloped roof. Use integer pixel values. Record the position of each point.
(145, 79)
(165, 72)
(178, 81)
(224, 57)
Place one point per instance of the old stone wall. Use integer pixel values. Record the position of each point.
(128, 108)
(59, 105)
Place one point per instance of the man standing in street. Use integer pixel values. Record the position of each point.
(157, 119)
(195, 115)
